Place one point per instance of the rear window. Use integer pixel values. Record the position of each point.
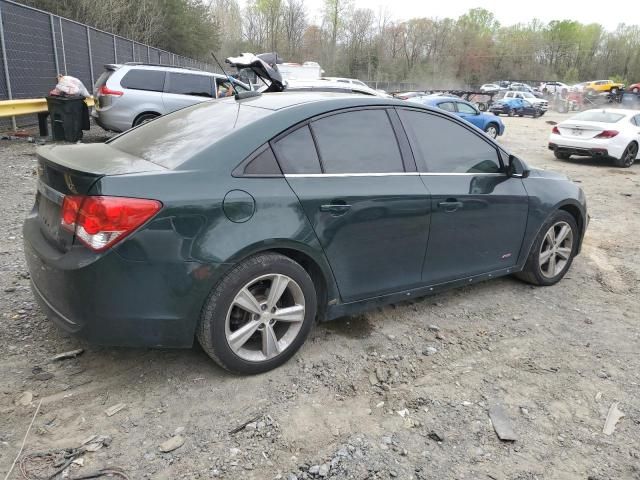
(139, 79)
(172, 139)
(598, 116)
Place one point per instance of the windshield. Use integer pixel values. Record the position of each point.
(171, 139)
(528, 95)
(598, 116)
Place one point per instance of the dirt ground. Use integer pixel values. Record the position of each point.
(400, 392)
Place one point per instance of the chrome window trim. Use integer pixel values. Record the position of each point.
(399, 174)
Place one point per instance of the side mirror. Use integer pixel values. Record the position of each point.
(517, 168)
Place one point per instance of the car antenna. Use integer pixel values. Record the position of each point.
(237, 95)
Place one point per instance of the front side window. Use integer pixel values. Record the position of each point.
(141, 79)
(447, 106)
(361, 141)
(443, 146)
(297, 152)
(190, 84)
(464, 108)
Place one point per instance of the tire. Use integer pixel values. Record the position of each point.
(482, 107)
(222, 316)
(549, 273)
(491, 130)
(144, 118)
(561, 155)
(635, 90)
(510, 112)
(628, 156)
(536, 114)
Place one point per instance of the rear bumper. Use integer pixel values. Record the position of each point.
(110, 300)
(581, 151)
(103, 121)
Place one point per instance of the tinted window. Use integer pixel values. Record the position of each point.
(297, 153)
(138, 79)
(446, 147)
(448, 106)
(263, 164)
(190, 84)
(174, 138)
(358, 142)
(464, 108)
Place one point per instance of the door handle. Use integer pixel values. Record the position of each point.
(335, 208)
(450, 205)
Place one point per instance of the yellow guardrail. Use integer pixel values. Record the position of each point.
(14, 108)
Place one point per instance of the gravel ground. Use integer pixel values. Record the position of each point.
(400, 392)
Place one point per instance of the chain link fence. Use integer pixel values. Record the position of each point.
(37, 45)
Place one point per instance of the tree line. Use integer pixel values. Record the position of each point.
(372, 45)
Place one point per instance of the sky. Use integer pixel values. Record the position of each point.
(508, 12)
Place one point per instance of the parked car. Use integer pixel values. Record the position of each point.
(635, 88)
(490, 87)
(352, 81)
(133, 93)
(490, 124)
(553, 87)
(516, 106)
(531, 98)
(523, 87)
(600, 133)
(242, 222)
(599, 86)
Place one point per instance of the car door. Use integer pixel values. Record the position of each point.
(360, 191)
(470, 114)
(479, 214)
(184, 89)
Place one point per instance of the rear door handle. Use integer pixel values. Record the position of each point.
(451, 205)
(335, 208)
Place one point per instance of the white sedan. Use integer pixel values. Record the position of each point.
(606, 133)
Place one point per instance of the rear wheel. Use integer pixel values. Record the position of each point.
(553, 250)
(144, 118)
(491, 130)
(482, 107)
(628, 157)
(561, 155)
(510, 112)
(259, 315)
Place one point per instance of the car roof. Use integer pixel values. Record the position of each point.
(281, 100)
(168, 68)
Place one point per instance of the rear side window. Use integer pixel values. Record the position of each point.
(360, 141)
(443, 146)
(297, 153)
(190, 84)
(263, 164)
(139, 79)
(448, 106)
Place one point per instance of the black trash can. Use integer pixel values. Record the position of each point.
(69, 117)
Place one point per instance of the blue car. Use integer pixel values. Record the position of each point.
(489, 123)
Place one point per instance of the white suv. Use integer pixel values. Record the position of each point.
(132, 93)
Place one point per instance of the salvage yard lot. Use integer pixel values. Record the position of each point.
(403, 391)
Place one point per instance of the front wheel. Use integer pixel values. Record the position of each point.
(259, 315)
(561, 155)
(491, 130)
(629, 156)
(552, 251)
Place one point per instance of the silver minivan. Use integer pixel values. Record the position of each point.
(129, 94)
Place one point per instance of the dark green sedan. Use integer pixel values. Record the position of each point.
(242, 222)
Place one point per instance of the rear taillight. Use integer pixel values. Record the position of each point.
(555, 130)
(101, 222)
(607, 134)
(104, 90)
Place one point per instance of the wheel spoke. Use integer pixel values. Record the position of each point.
(270, 346)
(544, 256)
(290, 314)
(564, 231)
(564, 253)
(238, 338)
(552, 265)
(549, 237)
(278, 286)
(247, 301)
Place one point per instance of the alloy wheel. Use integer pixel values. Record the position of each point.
(630, 154)
(556, 249)
(265, 317)
(492, 131)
